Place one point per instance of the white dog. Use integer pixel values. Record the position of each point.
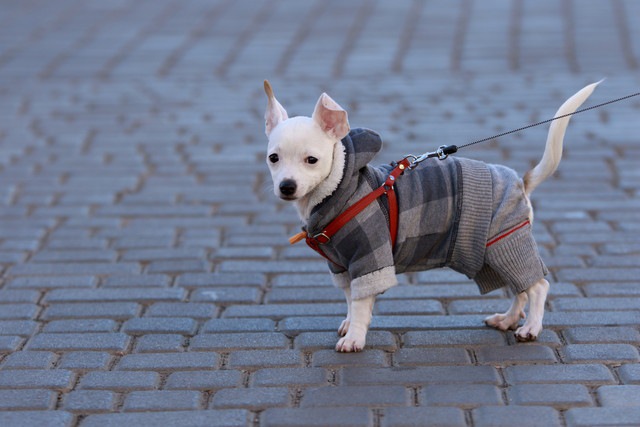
(467, 215)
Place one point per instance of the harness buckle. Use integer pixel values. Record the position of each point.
(322, 238)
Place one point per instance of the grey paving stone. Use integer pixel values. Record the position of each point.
(503, 416)
(376, 396)
(463, 396)
(130, 242)
(224, 295)
(609, 289)
(160, 343)
(274, 377)
(51, 282)
(272, 267)
(577, 318)
(90, 401)
(34, 418)
(238, 325)
(240, 340)
(630, 373)
(163, 254)
(331, 358)
(599, 304)
(293, 326)
(588, 374)
(195, 280)
(85, 255)
(164, 325)
(483, 306)
(177, 267)
(119, 381)
(619, 395)
(182, 309)
(279, 311)
(431, 356)
(448, 338)
(85, 360)
(29, 360)
(213, 418)
(24, 400)
(600, 353)
(203, 380)
(605, 334)
(251, 398)
(113, 342)
(111, 310)
(515, 354)
(313, 281)
(306, 294)
(111, 295)
(18, 327)
(407, 307)
(420, 375)
(80, 325)
(76, 268)
(159, 400)
(137, 281)
(557, 395)
(169, 361)
(418, 416)
(57, 379)
(19, 311)
(247, 359)
(18, 296)
(608, 416)
(303, 417)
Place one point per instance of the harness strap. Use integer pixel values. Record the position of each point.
(352, 211)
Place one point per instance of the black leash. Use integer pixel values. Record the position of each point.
(445, 150)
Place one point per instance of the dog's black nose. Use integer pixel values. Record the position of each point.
(288, 187)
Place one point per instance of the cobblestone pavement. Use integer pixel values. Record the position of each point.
(146, 277)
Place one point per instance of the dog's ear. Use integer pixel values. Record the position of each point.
(331, 117)
(275, 112)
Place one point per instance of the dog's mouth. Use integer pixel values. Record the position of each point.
(288, 198)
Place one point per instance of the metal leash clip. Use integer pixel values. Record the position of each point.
(441, 153)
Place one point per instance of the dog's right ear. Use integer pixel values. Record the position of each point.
(275, 112)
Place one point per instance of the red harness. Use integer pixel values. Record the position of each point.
(324, 237)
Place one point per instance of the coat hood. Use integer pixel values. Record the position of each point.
(361, 146)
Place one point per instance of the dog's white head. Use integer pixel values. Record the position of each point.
(304, 155)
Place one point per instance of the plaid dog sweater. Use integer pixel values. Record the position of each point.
(457, 213)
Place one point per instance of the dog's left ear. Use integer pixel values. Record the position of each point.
(331, 117)
(275, 112)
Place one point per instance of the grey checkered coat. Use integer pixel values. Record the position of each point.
(448, 211)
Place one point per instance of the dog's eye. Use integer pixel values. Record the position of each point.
(273, 158)
(312, 160)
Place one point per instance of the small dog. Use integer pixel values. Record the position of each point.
(467, 215)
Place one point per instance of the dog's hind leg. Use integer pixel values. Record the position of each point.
(533, 325)
(536, 295)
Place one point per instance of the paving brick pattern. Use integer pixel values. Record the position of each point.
(145, 276)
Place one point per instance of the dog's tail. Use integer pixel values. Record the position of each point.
(553, 149)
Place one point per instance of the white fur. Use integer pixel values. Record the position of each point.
(295, 139)
(553, 148)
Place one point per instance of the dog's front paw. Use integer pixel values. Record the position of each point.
(350, 343)
(344, 327)
(528, 332)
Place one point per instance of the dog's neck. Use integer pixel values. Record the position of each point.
(326, 187)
